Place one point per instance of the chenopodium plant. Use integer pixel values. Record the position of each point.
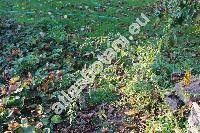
(142, 68)
(26, 63)
(177, 11)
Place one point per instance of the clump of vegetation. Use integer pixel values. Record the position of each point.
(27, 63)
(42, 54)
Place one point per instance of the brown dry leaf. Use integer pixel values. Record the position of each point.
(45, 86)
(144, 118)
(104, 130)
(13, 87)
(3, 91)
(153, 130)
(131, 112)
(177, 130)
(15, 51)
(13, 126)
(1, 107)
(132, 100)
(14, 80)
(16, 111)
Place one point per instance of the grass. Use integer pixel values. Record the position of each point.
(104, 20)
(137, 82)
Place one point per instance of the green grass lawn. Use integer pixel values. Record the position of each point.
(101, 15)
(134, 87)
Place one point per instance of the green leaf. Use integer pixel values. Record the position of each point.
(56, 119)
(45, 121)
(30, 129)
(123, 53)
